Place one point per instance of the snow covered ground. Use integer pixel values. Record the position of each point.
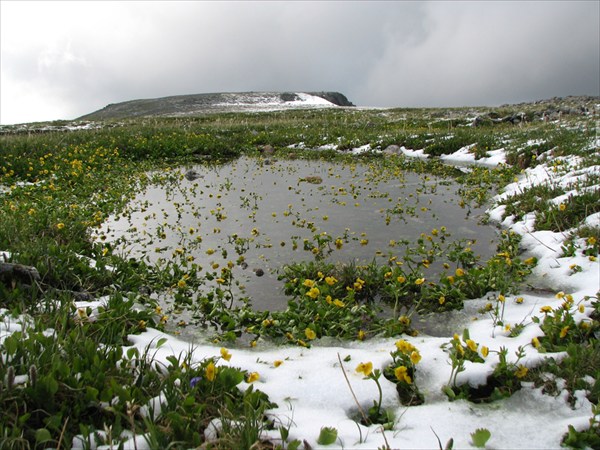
(311, 391)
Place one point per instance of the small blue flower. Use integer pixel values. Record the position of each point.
(195, 381)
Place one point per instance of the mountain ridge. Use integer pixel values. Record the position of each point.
(198, 104)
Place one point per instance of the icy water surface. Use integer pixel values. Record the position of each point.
(271, 207)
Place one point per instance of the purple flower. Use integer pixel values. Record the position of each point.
(195, 381)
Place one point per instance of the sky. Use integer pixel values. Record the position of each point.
(61, 60)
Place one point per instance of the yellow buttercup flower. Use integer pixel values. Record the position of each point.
(401, 374)
(405, 346)
(277, 362)
(546, 309)
(313, 293)
(310, 334)
(419, 281)
(400, 279)
(415, 357)
(225, 354)
(330, 280)
(252, 377)
(459, 272)
(535, 342)
(521, 371)
(564, 332)
(485, 351)
(308, 283)
(472, 345)
(365, 368)
(210, 372)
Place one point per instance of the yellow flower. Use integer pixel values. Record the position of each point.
(562, 206)
(339, 243)
(450, 279)
(442, 300)
(313, 293)
(361, 335)
(210, 251)
(252, 377)
(591, 241)
(225, 354)
(472, 345)
(581, 308)
(529, 261)
(564, 332)
(308, 283)
(501, 298)
(310, 334)
(359, 282)
(181, 284)
(560, 295)
(402, 375)
(405, 346)
(60, 225)
(277, 362)
(330, 280)
(535, 342)
(339, 303)
(404, 320)
(419, 281)
(400, 279)
(521, 371)
(415, 357)
(519, 300)
(220, 280)
(485, 351)
(365, 368)
(459, 272)
(364, 241)
(546, 309)
(210, 372)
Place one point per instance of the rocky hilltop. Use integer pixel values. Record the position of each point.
(190, 105)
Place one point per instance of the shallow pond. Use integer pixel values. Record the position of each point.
(264, 210)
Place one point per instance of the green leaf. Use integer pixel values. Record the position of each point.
(42, 435)
(294, 445)
(161, 342)
(480, 436)
(131, 352)
(327, 436)
(10, 344)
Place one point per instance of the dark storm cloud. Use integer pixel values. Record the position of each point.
(64, 59)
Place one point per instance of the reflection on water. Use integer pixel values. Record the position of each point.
(272, 206)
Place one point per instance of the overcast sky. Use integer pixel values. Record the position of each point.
(60, 60)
